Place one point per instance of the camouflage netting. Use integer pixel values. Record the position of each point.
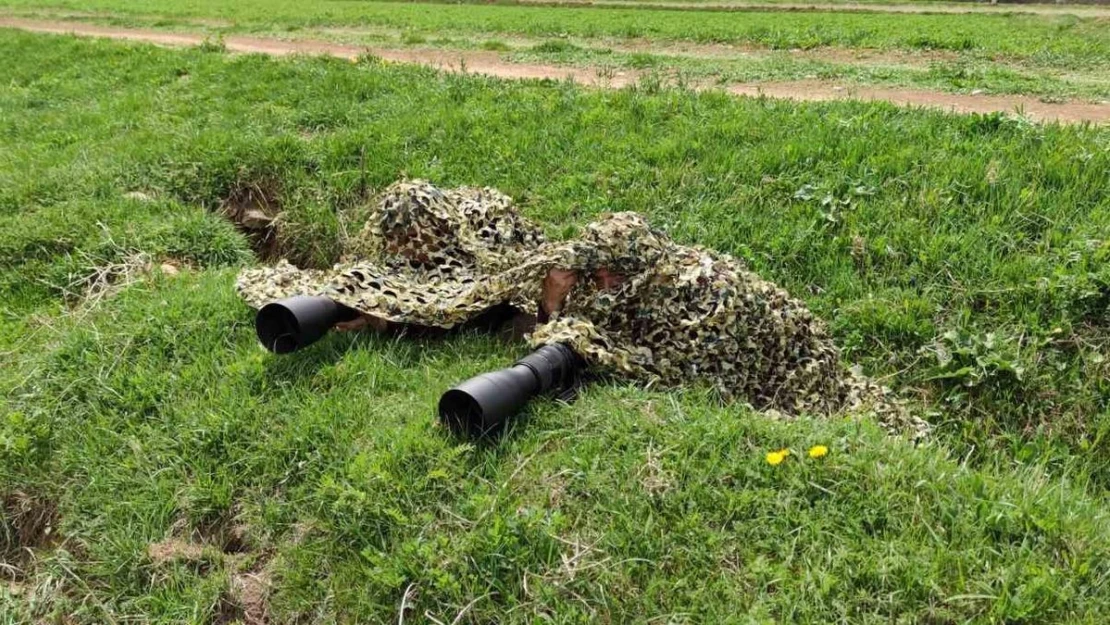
(680, 314)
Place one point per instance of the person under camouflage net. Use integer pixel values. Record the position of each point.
(624, 296)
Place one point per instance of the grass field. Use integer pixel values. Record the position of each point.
(157, 466)
(1054, 57)
(1066, 40)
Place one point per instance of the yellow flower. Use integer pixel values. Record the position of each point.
(785, 452)
(818, 451)
(774, 457)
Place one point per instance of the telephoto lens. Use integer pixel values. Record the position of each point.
(290, 324)
(483, 404)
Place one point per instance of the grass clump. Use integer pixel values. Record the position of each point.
(494, 45)
(556, 46)
(215, 45)
(413, 39)
(961, 259)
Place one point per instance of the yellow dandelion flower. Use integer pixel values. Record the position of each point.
(774, 458)
(785, 452)
(818, 451)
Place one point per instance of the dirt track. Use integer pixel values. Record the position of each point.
(491, 64)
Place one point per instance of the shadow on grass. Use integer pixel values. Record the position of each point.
(307, 363)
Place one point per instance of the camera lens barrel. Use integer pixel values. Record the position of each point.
(290, 324)
(483, 404)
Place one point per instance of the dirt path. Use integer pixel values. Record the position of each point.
(851, 7)
(491, 64)
(686, 49)
(816, 91)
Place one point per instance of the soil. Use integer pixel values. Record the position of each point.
(30, 525)
(491, 64)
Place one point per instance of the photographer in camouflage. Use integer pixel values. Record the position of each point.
(623, 296)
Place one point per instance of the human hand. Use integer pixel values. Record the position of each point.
(362, 321)
(556, 286)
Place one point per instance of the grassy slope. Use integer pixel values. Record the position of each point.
(157, 411)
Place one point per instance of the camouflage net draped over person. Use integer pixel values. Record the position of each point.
(685, 313)
(673, 315)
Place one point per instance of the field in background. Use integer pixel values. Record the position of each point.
(1052, 56)
(895, 6)
(158, 465)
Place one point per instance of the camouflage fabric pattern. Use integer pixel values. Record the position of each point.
(684, 314)
(681, 314)
(425, 256)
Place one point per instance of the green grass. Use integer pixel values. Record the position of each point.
(1054, 58)
(962, 259)
(959, 76)
(924, 5)
(1064, 41)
